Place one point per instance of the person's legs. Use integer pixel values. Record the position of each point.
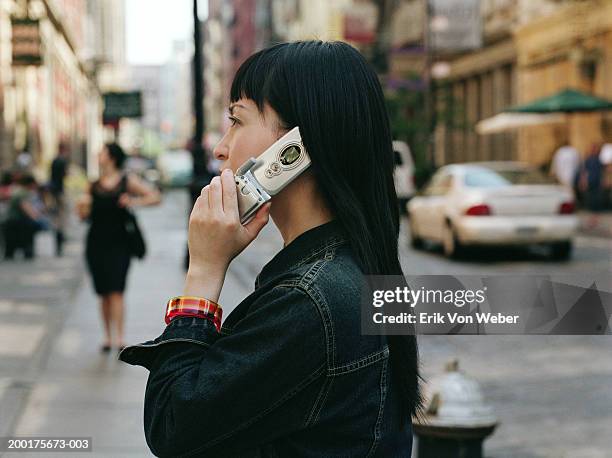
(59, 243)
(117, 317)
(60, 223)
(28, 246)
(10, 240)
(28, 229)
(594, 206)
(105, 308)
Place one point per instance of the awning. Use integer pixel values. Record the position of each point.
(566, 101)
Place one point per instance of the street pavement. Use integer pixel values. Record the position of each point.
(34, 298)
(596, 224)
(551, 393)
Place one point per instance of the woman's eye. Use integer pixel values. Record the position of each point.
(233, 120)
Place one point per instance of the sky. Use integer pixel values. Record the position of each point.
(152, 26)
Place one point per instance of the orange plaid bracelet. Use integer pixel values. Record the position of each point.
(190, 306)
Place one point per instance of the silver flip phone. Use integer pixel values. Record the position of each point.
(258, 179)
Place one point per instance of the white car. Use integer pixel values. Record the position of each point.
(403, 174)
(493, 203)
(176, 167)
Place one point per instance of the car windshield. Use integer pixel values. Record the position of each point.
(487, 178)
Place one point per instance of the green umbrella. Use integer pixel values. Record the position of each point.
(567, 101)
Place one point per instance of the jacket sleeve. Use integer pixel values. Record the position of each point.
(207, 391)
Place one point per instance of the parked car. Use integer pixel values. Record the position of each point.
(176, 168)
(493, 203)
(403, 174)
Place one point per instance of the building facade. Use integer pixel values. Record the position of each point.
(218, 65)
(54, 95)
(531, 49)
(148, 80)
(571, 46)
(232, 32)
(44, 98)
(176, 101)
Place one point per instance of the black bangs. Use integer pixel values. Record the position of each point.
(256, 75)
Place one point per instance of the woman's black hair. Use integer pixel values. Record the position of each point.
(334, 96)
(116, 153)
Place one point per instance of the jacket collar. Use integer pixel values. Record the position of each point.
(305, 247)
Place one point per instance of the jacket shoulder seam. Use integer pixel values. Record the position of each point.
(320, 305)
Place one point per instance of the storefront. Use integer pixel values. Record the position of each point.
(571, 48)
(46, 93)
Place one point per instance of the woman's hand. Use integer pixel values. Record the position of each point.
(125, 200)
(216, 236)
(83, 206)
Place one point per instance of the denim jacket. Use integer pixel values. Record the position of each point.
(288, 375)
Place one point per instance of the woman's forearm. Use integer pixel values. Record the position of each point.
(147, 200)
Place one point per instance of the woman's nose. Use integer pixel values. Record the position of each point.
(221, 151)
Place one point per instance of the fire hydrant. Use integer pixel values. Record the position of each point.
(457, 420)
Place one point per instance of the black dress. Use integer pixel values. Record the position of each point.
(107, 252)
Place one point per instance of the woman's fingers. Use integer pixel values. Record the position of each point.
(230, 199)
(259, 221)
(215, 198)
(204, 196)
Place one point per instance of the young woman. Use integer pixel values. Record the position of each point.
(107, 252)
(289, 374)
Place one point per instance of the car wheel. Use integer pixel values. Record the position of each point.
(452, 247)
(415, 241)
(561, 250)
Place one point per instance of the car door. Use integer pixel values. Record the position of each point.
(432, 210)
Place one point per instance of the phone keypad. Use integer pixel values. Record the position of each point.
(273, 169)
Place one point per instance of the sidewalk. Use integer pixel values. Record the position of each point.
(34, 296)
(82, 393)
(602, 228)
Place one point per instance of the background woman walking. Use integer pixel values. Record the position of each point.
(108, 251)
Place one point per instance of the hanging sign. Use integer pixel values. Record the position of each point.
(26, 42)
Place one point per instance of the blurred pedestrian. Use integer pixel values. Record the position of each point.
(25, 217)
(108, 250)
(59, 168)
(565, 165)
(6, 184)
(593, 169)
(591, 184)
(605, 157)
(290, 372)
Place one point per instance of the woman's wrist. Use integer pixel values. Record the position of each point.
(205, 281)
